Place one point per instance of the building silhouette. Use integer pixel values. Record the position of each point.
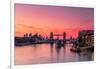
(86, 38)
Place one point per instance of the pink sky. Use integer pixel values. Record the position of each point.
(57, 19)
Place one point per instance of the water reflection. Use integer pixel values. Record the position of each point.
(48, 53)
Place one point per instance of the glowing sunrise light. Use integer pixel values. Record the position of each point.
(57, 19)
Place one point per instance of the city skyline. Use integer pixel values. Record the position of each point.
(45, 19)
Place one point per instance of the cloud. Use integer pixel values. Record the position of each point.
(28, 26)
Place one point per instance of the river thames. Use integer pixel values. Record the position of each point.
(45, 53)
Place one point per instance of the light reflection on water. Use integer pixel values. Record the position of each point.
(45, 53)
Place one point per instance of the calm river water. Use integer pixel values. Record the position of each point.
(45, 53)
